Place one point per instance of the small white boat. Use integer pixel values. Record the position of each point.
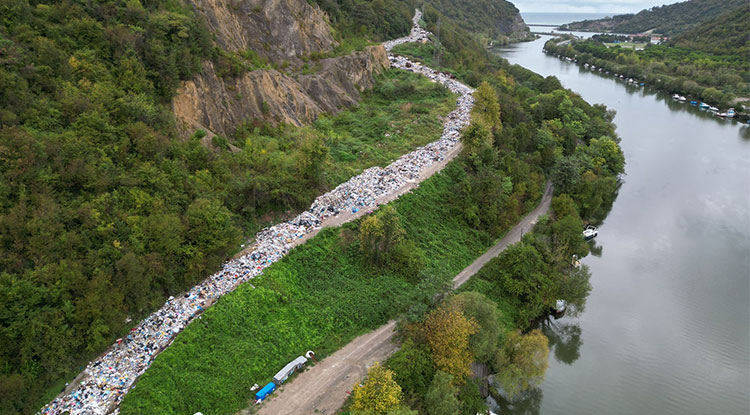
(590, 232)
(714, 109)
(559, 309)
(731, 113)
(703, 105)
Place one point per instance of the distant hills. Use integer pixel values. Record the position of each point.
(496, 19)
(669, 20)
(729, 32)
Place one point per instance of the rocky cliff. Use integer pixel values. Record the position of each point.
(221, 105)
(278, 30)
(283, 32)
(515, 28)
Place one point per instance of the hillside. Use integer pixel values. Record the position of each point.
(728, 33)
(668, 20)
(495, 19)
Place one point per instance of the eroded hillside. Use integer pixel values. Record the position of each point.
(285, 33)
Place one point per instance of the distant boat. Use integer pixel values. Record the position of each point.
(703, 105)
(693, 102)
(559, 309)
(731, 113)
(680, 98)
(590, 232)
(714, 109)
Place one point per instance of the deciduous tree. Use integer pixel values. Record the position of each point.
(522, 361)
(379, 394)
(441, 397)
(448, 331)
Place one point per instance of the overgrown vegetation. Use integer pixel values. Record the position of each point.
(492, 20)
(105, 211)
(669, 20)
(346, 280)
(715, 79)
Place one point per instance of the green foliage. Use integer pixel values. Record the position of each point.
(487, 108)
(105, 212)
(320, 296)
(566, 237)
(380, 234)
(484, 311)
(379, 19)
(669, 19)
(691, 65)
(441, 398)
(522, 273)
(476, 137)
(233, 64)
(728, 32)
(492, 19)
(471, 399)
(412, 367)
(522, 361)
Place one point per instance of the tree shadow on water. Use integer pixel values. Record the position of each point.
(526, 403)
(565, 340)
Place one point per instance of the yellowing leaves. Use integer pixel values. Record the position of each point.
(379, 394)
(448, 331)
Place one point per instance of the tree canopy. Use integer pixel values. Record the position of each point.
(522, 361)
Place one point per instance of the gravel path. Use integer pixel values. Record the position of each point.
(323, 388)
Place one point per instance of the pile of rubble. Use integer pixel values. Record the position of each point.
(110, 376)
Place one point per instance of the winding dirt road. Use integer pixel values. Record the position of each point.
(323, 388)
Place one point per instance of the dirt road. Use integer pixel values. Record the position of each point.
(323, 388)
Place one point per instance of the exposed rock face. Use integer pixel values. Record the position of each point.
(340, 81)
(221, 105)
(279, 30)
(282, 31)
(515, 28)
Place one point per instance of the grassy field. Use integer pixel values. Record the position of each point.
(627, 45)
(319, 297)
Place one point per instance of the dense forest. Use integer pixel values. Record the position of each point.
(668, 20)
(376, 20)
(709, 63)
(727, 34)
(496, 20)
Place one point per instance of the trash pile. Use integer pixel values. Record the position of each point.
(110, 376)
(417, 34)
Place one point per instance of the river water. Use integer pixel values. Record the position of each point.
(666, 329)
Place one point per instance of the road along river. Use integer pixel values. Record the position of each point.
(667, 326)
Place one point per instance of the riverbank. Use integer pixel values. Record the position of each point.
(714, 79)
(666, 326)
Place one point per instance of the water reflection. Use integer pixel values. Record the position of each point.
(527, 403)
(667, 326)
(565, 340)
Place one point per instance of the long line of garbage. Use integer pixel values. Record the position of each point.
(108, 378)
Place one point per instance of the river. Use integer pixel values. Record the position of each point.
(666, 329)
